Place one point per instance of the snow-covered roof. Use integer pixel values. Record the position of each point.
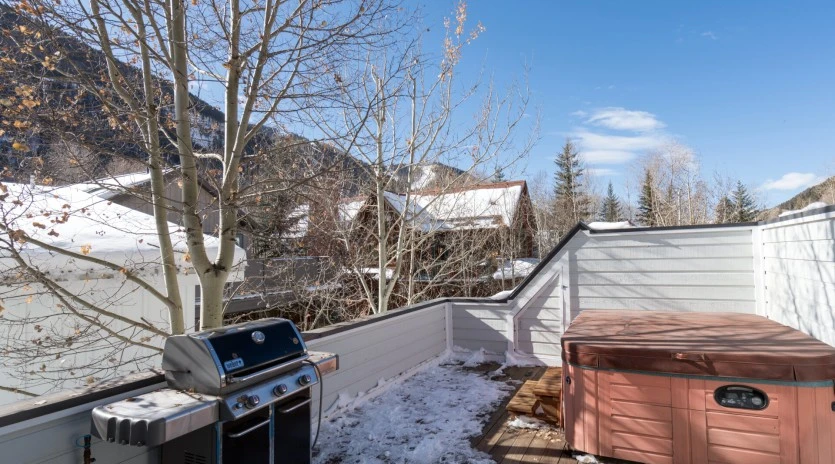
(515, 268)
(300, 220)
(348, 210)
(108, 187)
(482, 206)
(73, 219)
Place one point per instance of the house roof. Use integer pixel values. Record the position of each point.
(483, 206)
(109, 187)
(81, 222)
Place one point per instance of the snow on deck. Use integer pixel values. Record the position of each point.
(429, 417)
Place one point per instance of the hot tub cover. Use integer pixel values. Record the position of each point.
(707, 344)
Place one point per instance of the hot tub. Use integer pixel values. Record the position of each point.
(671, 387)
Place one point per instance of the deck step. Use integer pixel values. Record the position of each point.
(525, 400)
(550, 384)
(548, 391)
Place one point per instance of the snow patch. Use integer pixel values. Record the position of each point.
(809, 207)
(526, 422)
(600, 225)
(512, 359)
(502, 295)
(515, 268)
(478, 357)
(347, 402)
(429, 417)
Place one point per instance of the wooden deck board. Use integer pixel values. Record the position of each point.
(521, 446)
(516, 446)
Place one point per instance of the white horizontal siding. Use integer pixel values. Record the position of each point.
(799, 268)
(644, 278)
(718, 264)
(666, 251)
(52, 439)
(478, 326)
(539, 323)
(695, 270)
(681, 270)
(380, 351)
(812, 229)
(661, 238)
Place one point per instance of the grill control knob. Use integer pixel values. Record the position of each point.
(280, 389)
(253, 401)
(305, 379)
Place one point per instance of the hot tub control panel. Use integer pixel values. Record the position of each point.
(740, 396)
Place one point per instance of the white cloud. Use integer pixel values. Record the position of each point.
(597, 148)
(579, 114)
(625, 120)
(710, 35)
(793, 181)
(602, 172)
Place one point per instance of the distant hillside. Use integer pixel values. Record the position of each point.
(823, 192)
(68, 113)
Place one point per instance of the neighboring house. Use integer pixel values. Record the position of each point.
(134, 191)
(482, 224)
(68, 348)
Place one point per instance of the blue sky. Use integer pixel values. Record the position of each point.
(749, 86)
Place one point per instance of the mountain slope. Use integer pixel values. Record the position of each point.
(823, 192)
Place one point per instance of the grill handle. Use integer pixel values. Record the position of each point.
(292, 408)
(268, 372)
(246, 431)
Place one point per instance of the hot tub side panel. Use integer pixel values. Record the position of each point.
(663, 420)
(580, 399)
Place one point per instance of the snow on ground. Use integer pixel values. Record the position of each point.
(427, 418)
(526, 422)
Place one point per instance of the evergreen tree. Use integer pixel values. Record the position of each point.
(744, 209)
(572, 204)
(724, 211)
(646, 204)
(498, 174)
(610, 212)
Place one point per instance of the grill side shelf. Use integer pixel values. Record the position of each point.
(154, 418)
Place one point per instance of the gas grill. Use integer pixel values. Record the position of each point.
(240, 390)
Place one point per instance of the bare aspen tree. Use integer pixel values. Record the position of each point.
(264, 62)
(677, 194)
(400, 118)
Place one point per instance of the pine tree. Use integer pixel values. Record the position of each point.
(498, 175)
(646, 205)
(724, 211)
(610, 212)
(744, 208)
(572, 204)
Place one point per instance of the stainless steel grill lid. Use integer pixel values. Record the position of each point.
(216, 362)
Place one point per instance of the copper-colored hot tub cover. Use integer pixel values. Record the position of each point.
(709, 344)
